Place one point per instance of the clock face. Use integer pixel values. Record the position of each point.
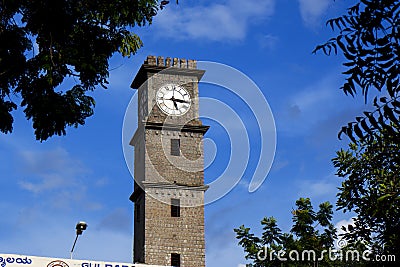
(173, 99)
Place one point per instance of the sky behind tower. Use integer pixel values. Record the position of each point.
(46, 188)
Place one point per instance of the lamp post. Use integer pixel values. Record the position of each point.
(80, 227)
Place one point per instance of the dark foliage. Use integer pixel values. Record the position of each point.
(369, 38)
(45, 42)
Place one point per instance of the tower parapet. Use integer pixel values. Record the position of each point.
(175, 66)
(168, 62)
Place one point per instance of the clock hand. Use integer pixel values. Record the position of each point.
(175, 100)
(181, 101)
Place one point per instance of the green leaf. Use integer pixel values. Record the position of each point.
(384, 197)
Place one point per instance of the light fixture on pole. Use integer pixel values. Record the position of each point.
(80, 227)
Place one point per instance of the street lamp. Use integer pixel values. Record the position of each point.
(80, 227)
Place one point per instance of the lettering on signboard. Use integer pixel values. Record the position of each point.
(4, 261)
(89, 264)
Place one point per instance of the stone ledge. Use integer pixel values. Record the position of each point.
(173, 186)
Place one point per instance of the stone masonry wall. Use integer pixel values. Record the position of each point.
(165, 234)
(161, 166)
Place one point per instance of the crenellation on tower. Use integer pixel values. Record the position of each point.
(160, 61)
(192, 64)
(173, 66)
(182, 63)
(151, 60)
(176, 62)
(168, 62)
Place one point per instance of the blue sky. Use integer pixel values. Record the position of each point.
(46, 188)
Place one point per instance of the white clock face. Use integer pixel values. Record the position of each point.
(173, 99)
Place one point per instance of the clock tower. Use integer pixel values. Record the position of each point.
(169, 170)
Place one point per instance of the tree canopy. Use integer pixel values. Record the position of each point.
(371, 189)
(369, 38)
(44, 42)
(311, 231)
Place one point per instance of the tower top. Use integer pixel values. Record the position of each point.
(171, 62)
(178, 66)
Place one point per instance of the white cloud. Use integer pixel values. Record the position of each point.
(307, 100)
(312, 10)
(312, 104)
(119, 220)
(279, 163)
(101, 182)
(58, 178)
(341, 223)
(228, 254)
(216, 22)
(341, 243)
(324, 188)
(268, 41)
(49, 170)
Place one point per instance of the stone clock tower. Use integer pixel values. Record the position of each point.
(169, 174)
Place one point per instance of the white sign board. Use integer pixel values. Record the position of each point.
(13, 260)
